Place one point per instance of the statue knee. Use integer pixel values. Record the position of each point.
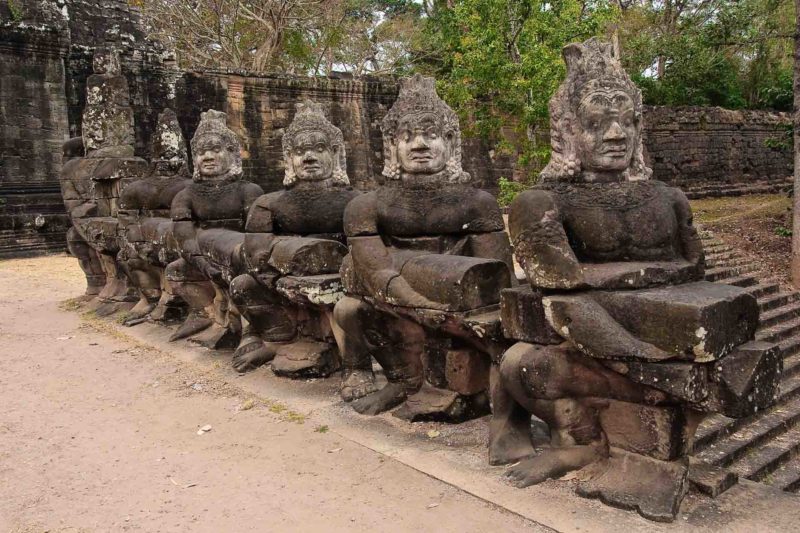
(535, 371)
(240, 286)
(176, 271)
(346, 311)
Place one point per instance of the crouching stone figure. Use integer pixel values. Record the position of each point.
(426, 250)
(623, 350)
(209, 215)
(146, 243)
(292, 251)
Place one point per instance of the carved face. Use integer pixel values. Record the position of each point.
(312, 156)
(212, 158)
(608, 131)
(421, 146)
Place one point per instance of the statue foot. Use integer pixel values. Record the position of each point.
(357, 384)
(390, 396)
(510, 447)
(251, 354)
(215, 337)
(139, 313)
(552, 463)
(194, 323)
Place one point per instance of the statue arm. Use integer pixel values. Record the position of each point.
(540, 242)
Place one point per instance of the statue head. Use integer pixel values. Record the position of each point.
(105, 60)
(421, 136)
(168, 147)
(313, 148)
(596, 119)
(216, 151)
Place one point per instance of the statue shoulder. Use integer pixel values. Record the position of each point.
(486, 213)
(360, 215)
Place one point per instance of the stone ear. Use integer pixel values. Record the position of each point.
(572, 53)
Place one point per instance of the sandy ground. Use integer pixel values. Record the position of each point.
(99, 434)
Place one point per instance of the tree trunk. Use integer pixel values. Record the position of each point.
(796, 198)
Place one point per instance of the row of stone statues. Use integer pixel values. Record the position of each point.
(609, 338)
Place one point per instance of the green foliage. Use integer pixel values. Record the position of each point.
(15, 10)
(509, 190)
(498, 62)
(784, 142)
(780, 231)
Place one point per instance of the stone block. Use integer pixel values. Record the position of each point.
(467, 371)
(522, 316)
(653, 488)
(324, 290)
(685, 381)
(711, 480)
(460, 283)
(304, 359)
(699, 321)
(664, 433)
(748, 378)
(304, 256)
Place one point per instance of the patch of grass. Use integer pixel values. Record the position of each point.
(712, 210)
(780, 231)
(321, 429)
(72, 304)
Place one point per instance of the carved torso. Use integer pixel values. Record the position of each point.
(439, 210)
(300, 211)
(224, 205)
(629, 221)
(153, 194)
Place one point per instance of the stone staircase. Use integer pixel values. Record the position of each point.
(764, 447)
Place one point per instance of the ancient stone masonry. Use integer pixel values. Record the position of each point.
(714, 151)
(622, 350)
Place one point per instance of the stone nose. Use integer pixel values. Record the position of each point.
(614, 132)
(309, 156)
(419, 142)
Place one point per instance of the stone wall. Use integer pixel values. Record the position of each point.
(33, 122)
(695, 147)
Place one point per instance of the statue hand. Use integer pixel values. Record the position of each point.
(401, 293)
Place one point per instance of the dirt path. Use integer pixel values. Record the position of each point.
(99, 434)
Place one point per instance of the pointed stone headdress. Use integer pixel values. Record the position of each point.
(310, 117)
(167, 143)
(418, 97)
(591, 67)
(213, 122)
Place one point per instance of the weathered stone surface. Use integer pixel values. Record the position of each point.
(304, 256)
(711, 480)
(699, 321)
(323, 290)
(653, 488)
(523, 316)
(748, 378)
(664, 433)
(467, 371)
(425, 248)
(306, 359)
(441, 405)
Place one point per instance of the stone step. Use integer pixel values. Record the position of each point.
(717, 426)
(775, 300)
(711, 249)
(779, 332)
(791, 361)
(741, 281)
(758, 463)
(779, 315)
(758, 430)
(727, 262)
(763, 290)
(725, 273)
(787, 476)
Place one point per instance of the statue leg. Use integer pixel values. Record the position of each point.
(88, 260)
(267, 323)
(225, 328)
(566, 390)
(147, 281)
(196, 291)
(362, 332)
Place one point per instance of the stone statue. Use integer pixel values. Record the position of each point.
(292, 252)
(209, 216)
(426, 249)
(624, 349)
(146, 233)
(92, 184)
